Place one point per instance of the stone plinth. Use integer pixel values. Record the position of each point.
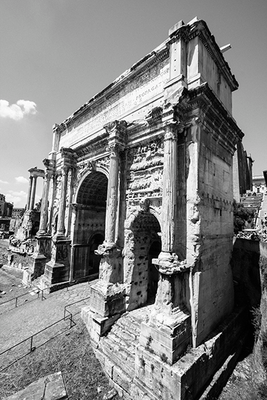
(107, 301)
(41, 255)
(106, 304)
(57, 269)
(167, 341)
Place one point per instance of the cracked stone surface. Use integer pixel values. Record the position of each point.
(50, 387)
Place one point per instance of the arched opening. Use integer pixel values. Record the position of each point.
(143, 243)
(89, 229)
(153, 273)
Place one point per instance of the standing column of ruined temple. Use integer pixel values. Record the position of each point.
(116, 131)
(33, 192)
(34, 174)
(29, 192)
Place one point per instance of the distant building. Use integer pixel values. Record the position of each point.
(2, 204)
(5, 215)
(259, 184)
(18, 212)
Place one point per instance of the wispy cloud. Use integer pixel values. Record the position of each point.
(3, 182)
(20, 179)
(17, 111)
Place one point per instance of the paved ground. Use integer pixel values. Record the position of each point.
(15, 324)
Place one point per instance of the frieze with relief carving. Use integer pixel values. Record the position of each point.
(145, 169)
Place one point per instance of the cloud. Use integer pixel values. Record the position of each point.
(3, 182)
(17, 111)
(16, 197)
(21, 179)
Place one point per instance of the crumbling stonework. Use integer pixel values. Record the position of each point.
(139, 189)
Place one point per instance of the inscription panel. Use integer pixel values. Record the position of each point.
(133, 94)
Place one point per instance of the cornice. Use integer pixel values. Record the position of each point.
(214, 116)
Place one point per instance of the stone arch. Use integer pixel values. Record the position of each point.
(142, 243)
(84, 176)
(89, 227)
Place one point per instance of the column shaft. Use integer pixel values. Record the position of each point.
(112, 198)
(169, 189)
(62, 204)
(33, 193)
(29, 193)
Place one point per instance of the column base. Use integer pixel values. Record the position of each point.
(107, 299)
(57, 270)
(38, 267)
(169, 338)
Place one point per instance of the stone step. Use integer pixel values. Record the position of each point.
(119, 346)
(118, 355)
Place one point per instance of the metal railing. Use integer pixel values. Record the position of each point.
(71, 304)
(39, 338)
(38, 292)
(31, 343)
(41, 293)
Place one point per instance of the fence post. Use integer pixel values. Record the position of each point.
(70, 320)
(31, 348)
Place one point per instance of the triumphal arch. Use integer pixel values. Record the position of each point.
(138, 192)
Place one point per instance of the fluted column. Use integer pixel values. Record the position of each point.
(29, 192)
(44, 207)
(169, 193)
(62, 204)
(117, 135)
(33, 192)
(112, 196)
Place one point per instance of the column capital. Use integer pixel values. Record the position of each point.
(170, 128)
(117, 131)
(69, 157)
(36, 172)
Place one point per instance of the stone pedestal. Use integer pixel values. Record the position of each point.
(41, 255)
(168, 331)
(107, 301)
(56, 270)
(168, 340)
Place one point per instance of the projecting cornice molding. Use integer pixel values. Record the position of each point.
(214, 117)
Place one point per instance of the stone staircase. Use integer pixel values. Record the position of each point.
(119, 346)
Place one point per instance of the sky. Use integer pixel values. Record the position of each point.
(57, 54)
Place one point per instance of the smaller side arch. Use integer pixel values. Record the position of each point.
(142, 244)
